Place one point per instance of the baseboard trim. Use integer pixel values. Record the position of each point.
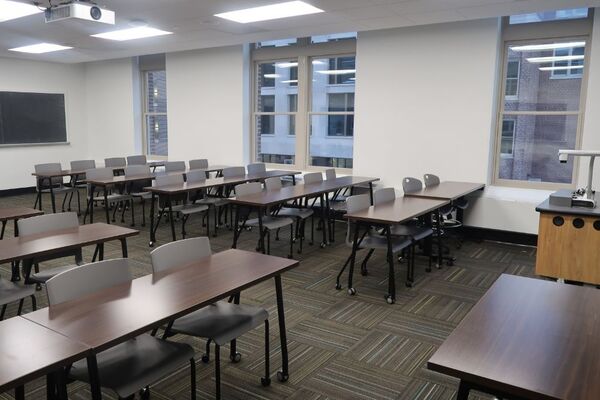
(526, 239)
(17, 192)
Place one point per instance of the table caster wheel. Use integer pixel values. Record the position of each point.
(282, 377)
(265, 381)
(450, 263)
(351, 291)
(338, 286)
(389, 299)
(236, 358)
(151, 244)
(205, 358)
(364, 272)
(323, 245)
(145, 394)
(409, 284)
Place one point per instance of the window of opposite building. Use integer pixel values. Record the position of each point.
(303, 102)
(542, 106)
(155, 113)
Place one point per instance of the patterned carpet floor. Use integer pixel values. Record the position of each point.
(341, 346)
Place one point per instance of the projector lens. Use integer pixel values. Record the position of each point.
(96, 13)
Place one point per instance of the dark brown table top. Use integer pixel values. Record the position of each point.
(110, 316)
(28, 246)
(215, 182)
(529, 338)
(8, 214)
(400, 210)
(29, 351)
(271, 197)
(448, 190)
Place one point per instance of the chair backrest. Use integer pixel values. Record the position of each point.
(256, 168)
(330, 173)
(411, 185)
(384, 195)
(47, 222)
(431, 180)
(199, 164)
(273, 183)
(313, 177)
(175, 166)
(86, 279)
(195, 176)
(358, 202)
(248, 188)
(179, 253)
(115, 162)
(231, 172)
(99, 174)
(137, 170)
(49, 168)
(137, 160)
(166, 180)
(82, 165)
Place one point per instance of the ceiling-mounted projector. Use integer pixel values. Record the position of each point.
(79, 10)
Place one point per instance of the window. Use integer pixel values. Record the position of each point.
(155, 113)
(275, 111)
(512, 79)
(540, 114)
(303, 102)
(507, 140)
(574, 13)
(571, 68)
(276, 43)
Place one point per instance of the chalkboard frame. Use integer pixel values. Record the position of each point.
(66, 110)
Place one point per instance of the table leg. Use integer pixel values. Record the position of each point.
(391, 296)
(20, 393)
(152, 233)
(52, 198)
(61, 384)
(371, 191)
(94, 377)
(440, 247)
(236, 227)
(284, 374)
(100, 251)
(124, 247)
(261, 240)
(50, 386)
(463, 391)
(171, 218)
(3, 228)
(293, 179)
(324, 219)
(106, 205)
(351, 290)
(90, 205)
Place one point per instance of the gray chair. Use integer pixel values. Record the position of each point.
(226, 191)
(300, 214)
(46, 223)
(233, 172)
(117, 164)
(256, 168)
(174, 166)
(417, 229)
(457, 206)
(130, 366)
(199, 164)
(269, 223)
(313, 177)
(11, 292)
(58, 187)
(337, 202)
(114, 195)
(195, 176)
(222, 322)
(136, 188)
(186, 209)
(372, 241)
(137, 160)
(76, 180)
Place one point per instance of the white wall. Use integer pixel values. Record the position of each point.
(206, 106)
(425, 103)
(112, 109)
(16, 163)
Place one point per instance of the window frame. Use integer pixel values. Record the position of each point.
(303, 51)
(538, 33)
(146, 113)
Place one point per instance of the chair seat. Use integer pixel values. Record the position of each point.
(113, 197)
(212, 201)
(271, 223)
(135, 364)
(59, 189)
(380, 242)
(142, 195)
(187, 209)
(339, 206)
(45, 274)
(221, 321)
(415, 232)
(446, 210)
(301, 213)
(10, 292)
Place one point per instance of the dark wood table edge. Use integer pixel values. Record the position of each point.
(480, 186)
(352, 217)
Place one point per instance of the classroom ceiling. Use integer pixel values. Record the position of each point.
(195, 27)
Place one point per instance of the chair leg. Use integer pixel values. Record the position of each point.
(33, 303)
(132, 212)
(218, 370)
(114, 211)
(143, 212)
(20, 306)
(291, 255)
(62, 206)
(2, 312)
(124, 206)
(363, 265)
(312, 230)
(78, 202)
(206, 355)
(269, 242)
(208, 223)
(193, 378)
(266, 380)
(184, 219)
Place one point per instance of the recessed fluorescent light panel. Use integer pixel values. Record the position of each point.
(540, 60)
(13, 10)
(566, 68)
(132, 33)
(548, 46)
(286, 64)
(40, 48)
(273, 11)
(338, 72)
